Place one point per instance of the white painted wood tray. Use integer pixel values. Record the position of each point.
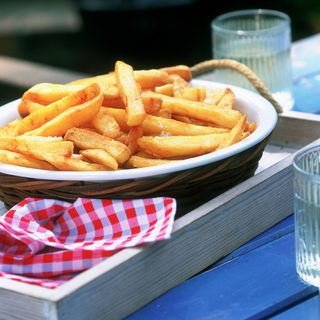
(130, 279)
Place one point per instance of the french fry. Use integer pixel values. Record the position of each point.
(214, 96)
(152, 105)
(245, 134)
(54, 145)
(221, 116)
(43, 116)
(105, 81)
(228, 100)
(100, 156)
(147, 79)
(153, 125)
(113, 103)
(123, 138)
(202, 123)
(194, 93)
(69, 163)
(179, 85)
(183, 119)
(26, 107)
(181, 70)
(129, 93)
(11, 129)
(235, 135)
(134, 134)
(22, 160)
(110, 92)
(120, 116)
(252, 127)
(27, 144)
(166, 89)
(72, 117)
(46, 93)
(142, 162)
(85, 139)
(106, 124)
(177, 146)
(164, 113)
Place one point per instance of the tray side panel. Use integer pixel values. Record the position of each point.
(17, 306)
(296, 129)
(204, 238)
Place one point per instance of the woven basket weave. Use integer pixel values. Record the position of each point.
(186, 186)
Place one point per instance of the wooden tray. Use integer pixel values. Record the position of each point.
(133, 277)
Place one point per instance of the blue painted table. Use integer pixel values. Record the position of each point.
(258, 280)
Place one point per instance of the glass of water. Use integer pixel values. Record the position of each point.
(306, 166)
(260, 39)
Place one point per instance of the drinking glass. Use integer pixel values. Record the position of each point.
(260, 39)
(306, 164)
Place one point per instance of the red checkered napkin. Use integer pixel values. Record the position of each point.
(45, 242)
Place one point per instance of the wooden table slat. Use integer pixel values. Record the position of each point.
(307, 310)
(253, 286)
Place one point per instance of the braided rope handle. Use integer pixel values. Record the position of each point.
(209, 65)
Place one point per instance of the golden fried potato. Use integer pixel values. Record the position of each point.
(221, 116)
(43, 116)
(147, 79)
(130, 93)
(106, 124)
(228, 99)
(72, 117)
(11, 129)
(214, 96)
(85, 139)
(46, 93)
(27, 145)
(194, 93)
(181, 70)
(153, 125)
(22, 160)
(179, 85)
(152, 105)
(134, 134)
(177, 146)
(100, 156)
(26, 107)
(166, 89)
(235, 135)
(142, 162)
(69, 163)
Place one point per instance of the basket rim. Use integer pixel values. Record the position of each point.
(260, 109)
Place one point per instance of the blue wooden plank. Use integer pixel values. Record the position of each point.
(280, 229)
(306, 310)
(255, 285)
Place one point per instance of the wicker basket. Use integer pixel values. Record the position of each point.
(186, 186)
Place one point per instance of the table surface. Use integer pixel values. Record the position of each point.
(259, 279)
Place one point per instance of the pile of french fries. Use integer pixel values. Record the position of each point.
(120, 120)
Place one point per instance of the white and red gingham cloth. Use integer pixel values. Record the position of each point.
(46, 242)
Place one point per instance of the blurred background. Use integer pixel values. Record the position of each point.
(88, 36)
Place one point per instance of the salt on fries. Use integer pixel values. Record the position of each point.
(120, 120)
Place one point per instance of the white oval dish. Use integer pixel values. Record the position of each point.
(253, 105)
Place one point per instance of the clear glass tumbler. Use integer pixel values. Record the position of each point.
(306, 166)
(260, 39)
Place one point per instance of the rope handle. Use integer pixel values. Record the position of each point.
(209, 65)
